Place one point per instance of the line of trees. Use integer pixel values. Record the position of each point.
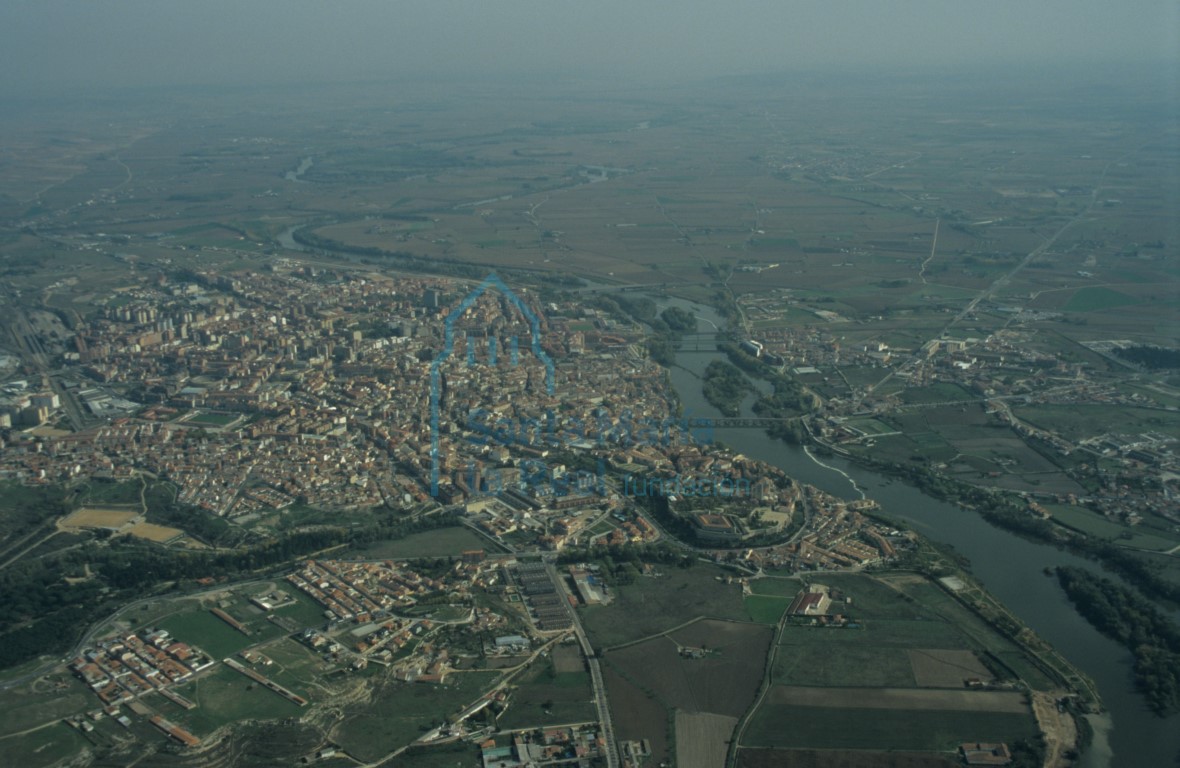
(1151, 358)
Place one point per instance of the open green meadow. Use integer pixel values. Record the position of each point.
(766, 609)
(400, 713)
(202, 629)
(45, 746)
(34, 704)
(224, 696)
(650, 605)
(544, 695)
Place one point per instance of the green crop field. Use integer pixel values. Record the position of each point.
(876, 632)
(766, 609)
(780, 587)
(941, 392)
(840, 728)
(724, 681)
(869, 427)
(1093, 299)
(814, 664)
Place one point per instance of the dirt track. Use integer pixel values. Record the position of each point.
(1059, 729)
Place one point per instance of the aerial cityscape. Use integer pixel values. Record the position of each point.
(750, 416)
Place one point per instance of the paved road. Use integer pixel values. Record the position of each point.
(600, 700)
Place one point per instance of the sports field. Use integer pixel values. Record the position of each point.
(99, 517)
(153, 532)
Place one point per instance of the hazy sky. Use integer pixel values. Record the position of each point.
(48, 43)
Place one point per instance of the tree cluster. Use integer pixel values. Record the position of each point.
(1152, 639)
(1151, 358)
(725, 386)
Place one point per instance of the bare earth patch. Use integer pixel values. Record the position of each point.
(153, 532)
(1058, 728)
(99, 517)
(568, 658)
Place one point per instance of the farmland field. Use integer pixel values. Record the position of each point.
(898, 678)
(723, 682)
(834, 758)
(870, 665)
(946, 669)
(766, 609)
(1076, 422)
(702, 739)
(1094, 299)
(898, 698)
(29, 705)
(775, 586)
(636, 713)
(865, 728)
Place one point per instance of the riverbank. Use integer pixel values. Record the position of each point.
(1008, 565)
(1013, 514)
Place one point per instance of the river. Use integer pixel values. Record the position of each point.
(1010, 567)
(294, 175)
